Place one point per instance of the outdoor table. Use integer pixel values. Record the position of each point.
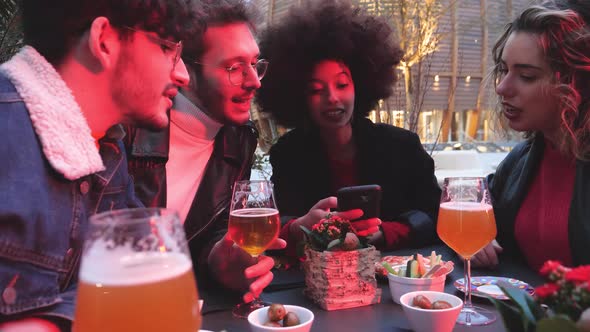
(287, 288)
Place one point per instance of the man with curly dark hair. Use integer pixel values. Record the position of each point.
(209, 144)
(87, 65)
(331, 64)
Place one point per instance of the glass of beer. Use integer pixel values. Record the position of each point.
(136, 274)
(254, 225)
(466, 223)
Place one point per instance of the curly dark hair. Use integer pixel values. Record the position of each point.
(563, 27)
(53, 27)
(217, 13)
(322, 30)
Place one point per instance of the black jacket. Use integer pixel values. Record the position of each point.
(389, 156)
(206, 222)
(510, 185)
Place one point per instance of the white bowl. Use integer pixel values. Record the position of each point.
(399, 286)
(260, 316)
(425, 320)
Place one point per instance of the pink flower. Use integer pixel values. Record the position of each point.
(550, 267)
(578, 275)
(546, 290)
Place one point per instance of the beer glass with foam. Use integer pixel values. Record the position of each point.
(254, 225)
(136, 274)
(466, 223)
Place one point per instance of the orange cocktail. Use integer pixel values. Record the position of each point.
(466, 227)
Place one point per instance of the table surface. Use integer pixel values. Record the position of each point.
(287, 288)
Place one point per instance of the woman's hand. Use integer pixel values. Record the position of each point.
(488, 256)
(367, 227)
(321, 208)
(315, 214)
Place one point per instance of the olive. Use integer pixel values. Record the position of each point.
(441, 305)
(272, 324)
(291, 319)
(276, 312)
(421, 301)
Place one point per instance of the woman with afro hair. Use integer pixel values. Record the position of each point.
(330, 64)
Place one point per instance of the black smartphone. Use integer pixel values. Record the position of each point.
(366, 198)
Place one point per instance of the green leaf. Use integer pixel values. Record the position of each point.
(519, 297)
(511, 316)
(334, 243)
(536, 309)
(305, 230)
(556, 323)
(314, 238)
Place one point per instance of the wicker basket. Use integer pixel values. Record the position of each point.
(341, 279)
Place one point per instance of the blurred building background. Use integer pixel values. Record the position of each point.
(443, 92)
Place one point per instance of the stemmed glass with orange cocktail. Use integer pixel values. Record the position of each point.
(466, 223)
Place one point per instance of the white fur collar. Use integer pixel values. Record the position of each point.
(58, 121)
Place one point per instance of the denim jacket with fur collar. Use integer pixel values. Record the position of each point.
(52, 177)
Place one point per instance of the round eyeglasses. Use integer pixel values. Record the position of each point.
(238, 71)
(170, 48)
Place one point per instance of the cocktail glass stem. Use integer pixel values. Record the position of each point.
(471, 315)
(467, 306)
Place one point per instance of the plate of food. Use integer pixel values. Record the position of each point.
(393, 261)
(419, 266)
(487, 286)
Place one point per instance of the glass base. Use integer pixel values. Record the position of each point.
(475, 316)
(242, 310)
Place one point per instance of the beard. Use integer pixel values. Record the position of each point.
(136, 96)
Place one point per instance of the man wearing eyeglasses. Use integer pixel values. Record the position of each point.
(87, 65)
(209, 144)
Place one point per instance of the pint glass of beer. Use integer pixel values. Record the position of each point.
(136, 274)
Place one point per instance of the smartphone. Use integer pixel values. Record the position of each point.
(366, 198)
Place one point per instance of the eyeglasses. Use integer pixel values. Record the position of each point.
(237, 72)
(170, 48)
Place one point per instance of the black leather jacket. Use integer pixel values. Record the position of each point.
(206, 222)
(509, 187)
(389, 156)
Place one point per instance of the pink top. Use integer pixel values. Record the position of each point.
(343, 173)
(541, 227)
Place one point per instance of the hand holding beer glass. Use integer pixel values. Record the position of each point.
(254, 225)
(136, 274)
(466, 223)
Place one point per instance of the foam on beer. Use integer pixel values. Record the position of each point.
(255, 212)
(121, 267)
(466, 206)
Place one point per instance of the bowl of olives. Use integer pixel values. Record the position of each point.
(431, 311)
(279, 317)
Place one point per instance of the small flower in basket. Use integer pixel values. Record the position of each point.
(562, 304)
(339, 266)
(334, 233)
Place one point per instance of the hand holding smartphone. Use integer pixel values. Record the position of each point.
(366, 198)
